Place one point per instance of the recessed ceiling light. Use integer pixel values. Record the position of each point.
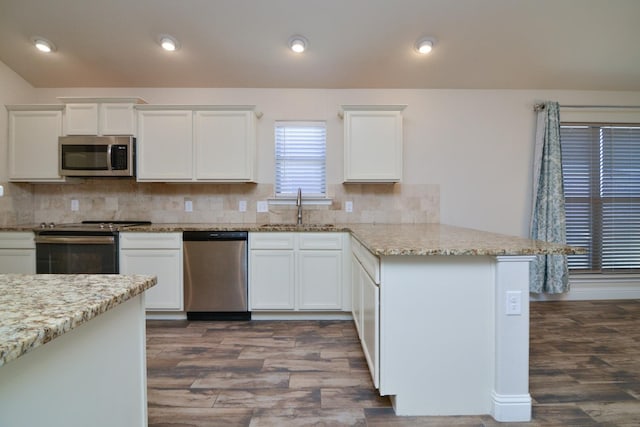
(169, 43)
(43, 45)
(425, 45)
(298, 44)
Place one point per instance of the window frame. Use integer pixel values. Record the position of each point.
(598, 201)
(309, 197)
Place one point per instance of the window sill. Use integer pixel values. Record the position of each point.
(285, 201)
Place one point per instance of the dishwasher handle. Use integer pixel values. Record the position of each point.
(203, 236)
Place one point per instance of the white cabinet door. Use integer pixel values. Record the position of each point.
(18, 261)
(81, 119)
(117, 119)
(372, 146)
(225, 145)
(17, 252)
(164, 145)
(319, 279)
(370, 335)
(166, 265)
(160, 255)
(356, 294)
(272, 279)
(33, 145)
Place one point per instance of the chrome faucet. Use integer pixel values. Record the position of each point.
(299, 205)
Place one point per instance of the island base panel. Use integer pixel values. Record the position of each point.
(94, 375)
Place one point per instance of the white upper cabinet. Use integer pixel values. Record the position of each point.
(100, 116)
(33, 142)
(164, 145)
(373, 143)
(196, 143)
(225, 145)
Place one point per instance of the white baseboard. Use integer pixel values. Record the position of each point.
(300, 315)
(601, 287)
(511, 408)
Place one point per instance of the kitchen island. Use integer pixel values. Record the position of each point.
(453, 323)
(72, 350)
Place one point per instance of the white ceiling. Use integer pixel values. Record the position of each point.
(483, 44)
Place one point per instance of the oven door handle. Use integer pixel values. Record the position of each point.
(76, 240)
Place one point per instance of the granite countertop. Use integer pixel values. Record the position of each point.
(389, 239)
(440, 239)
(35, 309)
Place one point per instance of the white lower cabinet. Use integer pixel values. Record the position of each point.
(319, 280)
(158, 254)
(296, 271)
(272, 280)
(17, 253)
(366, 305)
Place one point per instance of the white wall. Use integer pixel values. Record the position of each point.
(476, 144)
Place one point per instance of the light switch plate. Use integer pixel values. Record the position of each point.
(348, 206)
(75, 205)
(262, 206)
(514, 303)
(188, 206)
(242, 205)
(1, 191)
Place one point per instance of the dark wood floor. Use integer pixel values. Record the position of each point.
(584, 371)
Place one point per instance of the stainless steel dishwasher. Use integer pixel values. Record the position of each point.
(215, 275)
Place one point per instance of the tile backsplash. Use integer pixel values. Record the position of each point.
(116, 199)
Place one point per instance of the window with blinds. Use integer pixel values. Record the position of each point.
(300, 158)
(601, 169)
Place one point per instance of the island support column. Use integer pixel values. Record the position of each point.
(511, 400)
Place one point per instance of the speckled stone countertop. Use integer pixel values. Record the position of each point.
(35, 309)
(390, 239)
(400, 239)
(439, 239)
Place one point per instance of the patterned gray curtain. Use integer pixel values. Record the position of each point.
(549, 273)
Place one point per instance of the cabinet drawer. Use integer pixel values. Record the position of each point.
(271, 240)
(369, 261)
(17, 240)
(320, 241)
(150, 240)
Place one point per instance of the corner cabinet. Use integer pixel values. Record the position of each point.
(196, 143)
(296, 271)
(157, 254)
(33, 142)
(372, 143)
(100, 116)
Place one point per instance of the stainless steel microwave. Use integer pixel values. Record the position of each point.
(81, 155)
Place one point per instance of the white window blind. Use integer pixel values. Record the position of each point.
(601, 168)
(300, 158)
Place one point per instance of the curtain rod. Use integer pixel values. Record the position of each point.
(538, 107)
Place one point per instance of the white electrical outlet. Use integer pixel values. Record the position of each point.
(1, 191)
(75, 205)
(262, 206)
(188, 206)
(242, 205)
(348, 206)
(514, 303)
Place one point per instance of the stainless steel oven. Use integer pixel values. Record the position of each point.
(86, 248)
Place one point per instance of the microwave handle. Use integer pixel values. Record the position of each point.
(109, 157)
